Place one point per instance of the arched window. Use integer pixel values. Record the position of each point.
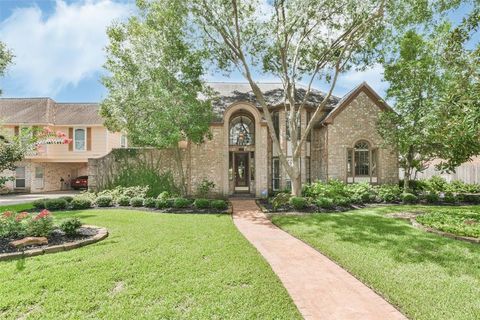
(362, 158)
(242, 131)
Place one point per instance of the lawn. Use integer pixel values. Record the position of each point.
(17, 207)
(152, 266)
(426, 276)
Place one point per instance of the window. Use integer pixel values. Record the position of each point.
(276, 123)
(275, 174)
(307, 170)
(123, 141)
(20, 181)
(242, 131)
(362, 159)
(79, 139)
(309, 118)
(252, 165)
(299, 128)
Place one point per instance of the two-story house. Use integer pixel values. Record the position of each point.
(54, 165)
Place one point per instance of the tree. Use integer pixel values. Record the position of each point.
(299, 40)
(155, 81)
(6, 57)
(436, 92)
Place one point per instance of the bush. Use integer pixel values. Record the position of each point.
(56, 204)
(13, 224)
(181, 203)
(70, 226)
(164, 195)
(104, 201)
(361, 192)
(67, 198)
(136, 202)
(409, 198)
(41, 225)
(298, 203)
(471, 198)
(123, 201)
(119, 191)
(202, 203)
(39, 204)
(449, 197)
(205, 187)
(389, 193)
(219, 204)
(342, 201)
(149, 202)
(325, 203)
(79, 203)
(432, 197)
(280, 200)
(162, 204)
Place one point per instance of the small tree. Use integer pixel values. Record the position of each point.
(436, 92)
(6, 57)
(155, 81)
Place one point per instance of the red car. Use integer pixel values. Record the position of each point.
(79, 183)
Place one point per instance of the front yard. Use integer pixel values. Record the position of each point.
(152, 266)
(426, 276)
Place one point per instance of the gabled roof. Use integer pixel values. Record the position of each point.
(349, 97)
(45, 111)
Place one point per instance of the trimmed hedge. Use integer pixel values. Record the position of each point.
(136, 202)
(104, 201)
(123, 201)
(81, 203)
(56, 204)
(298, 203)
(202, 203)
(409, 198)
(39, 204)
(219, 204)
(149, 202)
(181, 203)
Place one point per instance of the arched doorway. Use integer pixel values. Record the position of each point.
(241, 138)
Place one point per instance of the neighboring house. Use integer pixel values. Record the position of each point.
(468, 172)
(240, 157)
(52, 168)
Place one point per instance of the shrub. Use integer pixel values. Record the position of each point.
(67, 198)
(432, 197)
(219, 204)
(342, 201)
(181, 203)
(39, 204)
(149, 202)
(325, 203)
(87, 195)
(104, 201)
(409, 198)
(81, 203)
(119, 191)
(205, 187)
(56, 204)
(41, 225)
(298, 203)
(13, 224)
(280, 200)
(70, 226)
(389, 193)
(164, 195)
(123, 201)
(162, 204)
(202, 203)
(361, 192)
(449, 197)
(136, 202)
(471, 198)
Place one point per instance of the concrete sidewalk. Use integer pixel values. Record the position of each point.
(318, 286)
(18, 198)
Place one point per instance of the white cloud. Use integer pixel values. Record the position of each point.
(61, 49)
(373, 76)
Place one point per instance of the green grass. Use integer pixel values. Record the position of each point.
(152, 266)
(426, 276)
(17, 207)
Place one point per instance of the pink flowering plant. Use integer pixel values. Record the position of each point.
(18, 225)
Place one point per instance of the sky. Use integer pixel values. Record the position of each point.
(59, 48)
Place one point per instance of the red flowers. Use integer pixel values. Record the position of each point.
(7, 214)
(43, 214)
(21, 216)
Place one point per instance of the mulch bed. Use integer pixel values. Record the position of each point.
(56, 238)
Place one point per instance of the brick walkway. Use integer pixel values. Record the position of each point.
(318, 286)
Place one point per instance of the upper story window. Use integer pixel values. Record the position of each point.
(287, 126)
(242, 131)
(79, 139)
(276, 123)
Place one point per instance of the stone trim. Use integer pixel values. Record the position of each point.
(102, 233)
(420, 226)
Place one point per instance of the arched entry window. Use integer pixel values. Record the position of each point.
(242, 131)
(362, 162)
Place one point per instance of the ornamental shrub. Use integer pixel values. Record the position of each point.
(219, 204)
(136, 202)
(70, 226)
(56, 204)
(67, 198)
(201, 203)
(164, 195)
(205, 187)
(389, 193)
(123, 201)
(280, 200)
(149, 202)
(39, 204)
(181, 203)
(79, 203)
(13, 224)
(449, 197)
(342, 201)
(298, 203)
(40, 225)
(162, 204)
(432, 197)
(104, 201)
(325, 203)
(471, 198)
(409, 198)
(361, 192)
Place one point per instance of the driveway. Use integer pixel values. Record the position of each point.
(18, 198)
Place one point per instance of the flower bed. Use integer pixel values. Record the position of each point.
(461, 222)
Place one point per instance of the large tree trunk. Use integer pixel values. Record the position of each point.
(296, 179)
(181, 173)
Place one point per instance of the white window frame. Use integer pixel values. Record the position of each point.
(75, 139)
(24, 177)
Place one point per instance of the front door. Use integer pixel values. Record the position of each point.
(241, 172)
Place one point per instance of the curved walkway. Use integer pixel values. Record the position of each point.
(318, 286)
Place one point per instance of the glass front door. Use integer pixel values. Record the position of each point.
(241, 172)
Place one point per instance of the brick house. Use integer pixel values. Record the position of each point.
(52, 168)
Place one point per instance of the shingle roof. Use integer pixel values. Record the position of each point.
(45, 111)
(227, 93)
